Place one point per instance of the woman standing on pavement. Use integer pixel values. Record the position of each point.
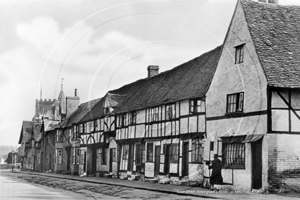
(216, 176)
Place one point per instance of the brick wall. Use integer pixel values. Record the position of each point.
(283, 160)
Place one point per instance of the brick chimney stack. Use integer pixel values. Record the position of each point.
(153, 70)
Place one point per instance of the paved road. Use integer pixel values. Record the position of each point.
(35, 186)
(11, 188)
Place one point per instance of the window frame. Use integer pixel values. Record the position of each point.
(197, 151)
(194, 106)
(236, 102)
(170, 111)
(239, 54)
(140, 154)
(125, 154)
(230, 151)
(59, 136)
(149, 156)
(174, 150)
(132, 119)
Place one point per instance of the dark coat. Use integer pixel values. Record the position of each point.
(216, 176)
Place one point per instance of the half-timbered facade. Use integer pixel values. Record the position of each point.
(252, 117)
(160, 123)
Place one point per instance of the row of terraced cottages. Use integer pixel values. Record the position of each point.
(240, 100)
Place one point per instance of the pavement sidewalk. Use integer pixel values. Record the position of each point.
(165, 188)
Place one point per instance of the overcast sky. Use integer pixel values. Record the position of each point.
(96, 45)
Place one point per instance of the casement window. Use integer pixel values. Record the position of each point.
(174, 153)
(59, 136)
(59, 156)
(239, 54)
(140, 154)
(132, 118)
(114, 155)
(233, 156)
(195, 106)
(197, 151)
(85, 128)
(149, 152)
(154, 114)
(235, 102)
(125, 152)
(106, 111)
(170, 111)
(103, 155)
(122, 120)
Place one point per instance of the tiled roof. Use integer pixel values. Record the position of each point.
(83, 110)
(275, 30)
(26, 131)
(186, 81)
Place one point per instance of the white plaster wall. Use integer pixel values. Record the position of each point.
(295, 121)
(192, 124)
(201, 123)
(247, 77)
(140, 117)
(280, 120)
(184, 107)
(140, 131)
(184, 125)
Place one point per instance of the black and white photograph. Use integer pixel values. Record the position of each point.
(150, 99)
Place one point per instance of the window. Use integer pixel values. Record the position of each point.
(149, 152)
(125, 152)
(106, 111)
(154, 114)
(196, 151)
(170, 111)
(195, 106)
(75, 133)
(174, 152)
(103, 155)
(140, 154)
(212, 146)
(59, 136)
(59, 154)
(122, 120)
(233, 155)
(132, 118)
(114, 155)
(91, 126)
(235, 102)
(239, 54)
(76, 154)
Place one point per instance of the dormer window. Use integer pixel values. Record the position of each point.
(239, 54)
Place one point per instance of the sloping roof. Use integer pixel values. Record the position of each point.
(186, 81)
(275, 30)
(79, 113)
(26, 131)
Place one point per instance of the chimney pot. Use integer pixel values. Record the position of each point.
(75, 92)
(153, 70)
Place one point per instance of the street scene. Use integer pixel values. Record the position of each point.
(150, 99)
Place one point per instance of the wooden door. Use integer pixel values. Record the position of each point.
(167, 159)
(185, 159)
(110, 159)
(130, 157)
(256, 164)
(157, 160)
(94, 160)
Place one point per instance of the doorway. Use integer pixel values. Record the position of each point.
(111, 156)
(157, 160)
(256, 150)
(185, 159)
(167, 159)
